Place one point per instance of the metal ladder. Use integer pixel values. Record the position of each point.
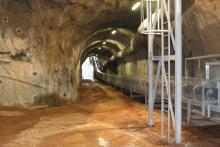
(159, 23)
(166, 72)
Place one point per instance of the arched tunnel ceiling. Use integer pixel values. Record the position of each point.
(104, 51)
(122, 35)
(115, 43)
(86, 17)
(81, 17)
(89, 16)
(122, 39)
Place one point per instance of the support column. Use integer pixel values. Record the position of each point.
(178, 71)
(150, 67)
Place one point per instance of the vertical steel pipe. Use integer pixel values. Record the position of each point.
(163, 71)
(169, 70)
(178, 71)
(150, 66)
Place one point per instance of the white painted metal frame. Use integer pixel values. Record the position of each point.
(157, 11)
(199, 59)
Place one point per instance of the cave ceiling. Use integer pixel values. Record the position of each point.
(93, 20)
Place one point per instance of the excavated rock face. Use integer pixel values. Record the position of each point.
(201, 28)
(45, 39)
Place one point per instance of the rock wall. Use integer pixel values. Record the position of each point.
(51, 34)
(134, 68)
(201, 28)
(53, 65)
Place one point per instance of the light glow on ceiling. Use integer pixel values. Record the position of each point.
(114, 32)
(136, 6)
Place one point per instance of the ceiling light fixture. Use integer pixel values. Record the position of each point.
(99, 48)
(114, 32)
(136, 6)
(104, 43)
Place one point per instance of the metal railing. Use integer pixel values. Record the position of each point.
(198, 64)
(197, 94)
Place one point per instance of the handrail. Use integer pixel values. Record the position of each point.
(198, 58)
(203, 57)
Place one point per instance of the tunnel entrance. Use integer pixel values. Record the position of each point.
(87, 69)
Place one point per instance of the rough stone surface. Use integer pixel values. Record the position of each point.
(55, 32)
(201, 28)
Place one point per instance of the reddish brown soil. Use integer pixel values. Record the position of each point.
(102, 117)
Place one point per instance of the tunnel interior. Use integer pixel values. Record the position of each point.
(77, 69)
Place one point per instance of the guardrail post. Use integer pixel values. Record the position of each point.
(203, 100)
(189, 111)
(208, 110)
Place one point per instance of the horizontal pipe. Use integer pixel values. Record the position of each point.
(203, 57)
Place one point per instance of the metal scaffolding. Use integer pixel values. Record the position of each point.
(156, 21)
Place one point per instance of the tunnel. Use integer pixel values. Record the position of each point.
(109, 73)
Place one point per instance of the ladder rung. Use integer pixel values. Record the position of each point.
(158, 58)
(167, 74)
(165, 98)
(156, 32)
(165, 111)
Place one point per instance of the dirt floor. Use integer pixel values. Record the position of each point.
(103, 117)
